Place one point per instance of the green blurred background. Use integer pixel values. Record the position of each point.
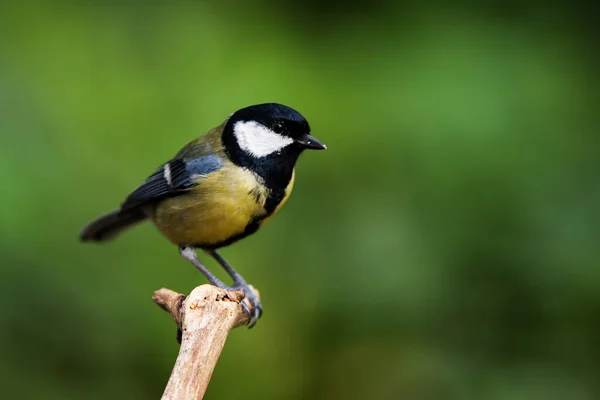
(446, 246)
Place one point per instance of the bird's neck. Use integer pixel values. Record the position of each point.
(276, 169)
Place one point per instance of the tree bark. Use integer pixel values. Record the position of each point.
(204, 320)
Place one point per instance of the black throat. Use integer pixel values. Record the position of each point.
(275, 169)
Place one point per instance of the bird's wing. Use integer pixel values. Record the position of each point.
(172, 179)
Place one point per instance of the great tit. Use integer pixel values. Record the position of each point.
(219, 188)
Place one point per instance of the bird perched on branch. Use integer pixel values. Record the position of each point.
(219, 188)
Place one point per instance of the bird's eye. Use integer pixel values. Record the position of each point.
(278, 127)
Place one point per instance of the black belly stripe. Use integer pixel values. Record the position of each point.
(275, 197)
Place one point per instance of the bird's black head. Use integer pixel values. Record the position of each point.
(268, 138)
(266, 129)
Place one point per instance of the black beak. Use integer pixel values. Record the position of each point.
(310, 142)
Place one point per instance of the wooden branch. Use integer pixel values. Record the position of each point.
(204, 319)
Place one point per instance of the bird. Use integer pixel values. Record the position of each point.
(218, 189)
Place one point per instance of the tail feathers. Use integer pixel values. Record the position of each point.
(110, 225)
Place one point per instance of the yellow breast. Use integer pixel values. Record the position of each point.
(218, 209)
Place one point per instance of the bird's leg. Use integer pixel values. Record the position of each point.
(240, 283)
(189, 253)
(237, 278)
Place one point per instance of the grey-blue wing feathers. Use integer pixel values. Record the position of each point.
(204, 165)
(173, 178)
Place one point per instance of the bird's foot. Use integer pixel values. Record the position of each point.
(255, 310)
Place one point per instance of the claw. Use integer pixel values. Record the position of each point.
(245, 307)
(256, 310)
(253, 322)
(256, 313)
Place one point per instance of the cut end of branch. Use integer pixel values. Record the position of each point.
(171, 302)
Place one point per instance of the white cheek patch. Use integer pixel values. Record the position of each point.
(258, 140)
